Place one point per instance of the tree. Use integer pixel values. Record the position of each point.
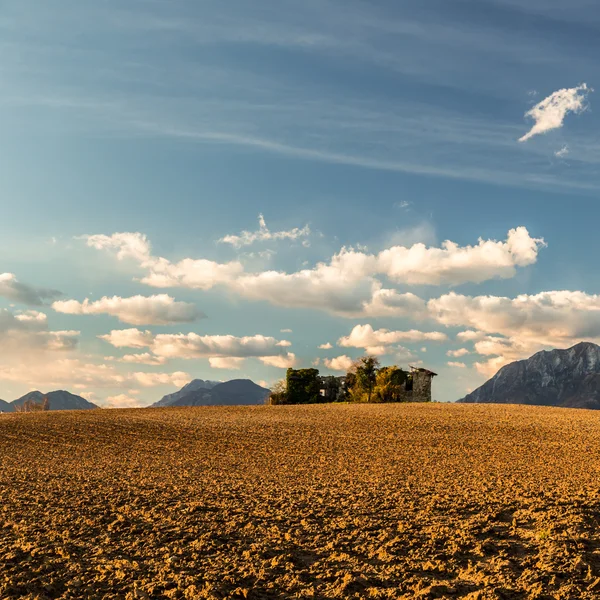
(365, 375)
(303, 386)
(390, 385)
(278, 393)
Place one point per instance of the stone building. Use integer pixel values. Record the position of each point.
(420, 385)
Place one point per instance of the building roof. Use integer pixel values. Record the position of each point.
(422, 370)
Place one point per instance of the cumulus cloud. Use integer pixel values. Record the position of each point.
(192, 345)
(281, 362)
(15, 291)
(27, 331)
(74, 373)
(121, 401)
(126, 244)
(190, 273)
(247, 238)
(199, 274)
(550, 315)
(143, 358)
(337, 287)
(285, 330)
(339, 363)
(458, 353)
(226, 362)
(459, 365)
(509, 329)
(452, 264)
(129, 338)
(348, 283)
(159, 309)
(550, 113)
(377, 341)
(390, 303)
(326, 346)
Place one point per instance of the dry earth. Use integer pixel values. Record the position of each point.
(337, 501)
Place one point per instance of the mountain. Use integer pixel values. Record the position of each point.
(59, 400)
(5, 406)
(230, 393)
(567, 378)
(192, 386)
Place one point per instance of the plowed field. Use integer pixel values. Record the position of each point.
(334, 501)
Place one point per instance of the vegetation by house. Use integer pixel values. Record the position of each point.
(366, 381)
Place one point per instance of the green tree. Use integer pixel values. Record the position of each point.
(390, 385)
(303, 386)
(365, 372)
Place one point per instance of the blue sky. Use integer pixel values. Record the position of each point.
(366, 134)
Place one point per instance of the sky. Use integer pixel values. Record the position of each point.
(219, 190)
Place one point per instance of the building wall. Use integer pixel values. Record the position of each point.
(421, 387)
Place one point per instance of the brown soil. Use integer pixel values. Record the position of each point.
(333, 501)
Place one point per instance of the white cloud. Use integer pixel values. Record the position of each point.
(178, 379)
(15, 291)
(452, 264)
(192, 345)
(127, 244)
(550, 113)
(390, 303)
(121, 401)
(73, 373)
(190, 273)
(526, 324)
(246, 238)
(200, 274)
(458, 353)
(286, 331)
(226, 362)
(459, 365)
(347, 285)
(339, 363)
(326, 346)
(281, 362)
(554, 315)
(376, 341)
(403, 355)
(129, 338)
(27, 331)
(159, 309)
(562, 152)
(144, 358)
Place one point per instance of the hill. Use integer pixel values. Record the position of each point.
(568, 378)
(320, 501)
(229, 393)
(192, 386)
(59, 400)
(5, 406)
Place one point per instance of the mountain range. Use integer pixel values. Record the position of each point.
(58, 400)
(568, 378)
(213, 393)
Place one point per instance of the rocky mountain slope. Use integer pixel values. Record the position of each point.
(567, 378)
(229, 393)
(59, 400)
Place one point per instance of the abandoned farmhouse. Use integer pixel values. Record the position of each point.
(307, 386)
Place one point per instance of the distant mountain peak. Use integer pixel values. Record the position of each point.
(562, 377)
(227, 393)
